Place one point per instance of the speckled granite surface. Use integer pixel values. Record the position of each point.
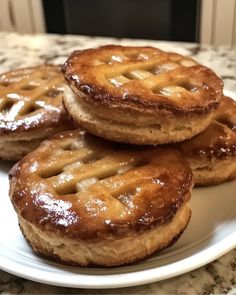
(24, 50)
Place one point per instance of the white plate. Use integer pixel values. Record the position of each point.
(210, 234)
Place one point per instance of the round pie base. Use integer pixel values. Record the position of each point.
(212, 173)
(85, 201)
(15, 150)
(164, 130)
(13, 147)
(108, 252)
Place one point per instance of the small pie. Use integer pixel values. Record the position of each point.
(212, 154)
(30, 109)
(140, 95)
(85, 201)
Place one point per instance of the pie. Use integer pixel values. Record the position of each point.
(30, 109)
(83, 200)
(140, 95)
(212, 154)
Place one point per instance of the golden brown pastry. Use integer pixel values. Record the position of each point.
(212, 154)
(30, 109)
(140, 95)
(85, 201)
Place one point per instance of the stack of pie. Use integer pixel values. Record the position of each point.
(150, 125)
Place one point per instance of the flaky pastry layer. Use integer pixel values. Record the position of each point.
(15, 150)
(212, 154)
(132, 126)
(211, 173)
(107, 252)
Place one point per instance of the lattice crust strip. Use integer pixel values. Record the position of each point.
(76, 167)
(135, 76)
(29, 91)
(156, 78)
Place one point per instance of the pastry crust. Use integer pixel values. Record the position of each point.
(135, 86)
(132, 127)
(83, 191)
(30, 108)
(111, 252)
(15, 150)
(212, 154)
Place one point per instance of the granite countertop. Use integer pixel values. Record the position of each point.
(27, 50)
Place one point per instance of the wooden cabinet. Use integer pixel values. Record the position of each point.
(23, 16)
(218, 22)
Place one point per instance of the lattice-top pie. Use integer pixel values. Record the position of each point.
(140, 95)
(212, 154)
(30, 109)
(87, 201)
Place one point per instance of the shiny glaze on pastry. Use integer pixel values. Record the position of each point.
(144, 78)
(80, 186)
(31, 99)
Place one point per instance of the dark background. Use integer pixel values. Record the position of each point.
(175, 20)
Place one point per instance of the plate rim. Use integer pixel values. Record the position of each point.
(133, 278)
(127, 279)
